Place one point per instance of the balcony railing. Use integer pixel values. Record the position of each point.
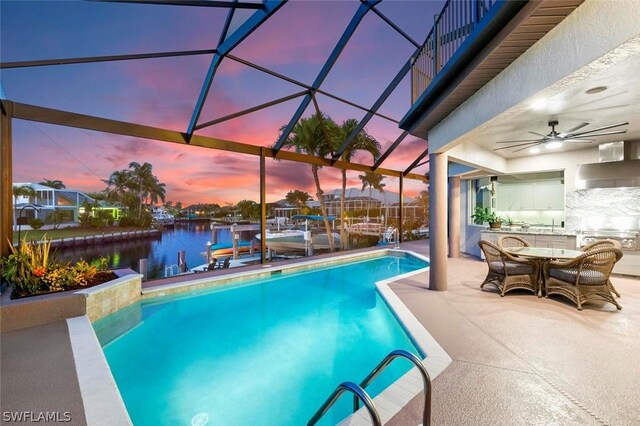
(450, 29)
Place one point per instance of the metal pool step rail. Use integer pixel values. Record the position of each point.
(358, 393)
(361, 394)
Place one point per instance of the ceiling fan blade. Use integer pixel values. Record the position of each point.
(539, 134)
(526, 147)
(624, 123)
(615, 132)
(522, 140)
(518, 145)
(580, 111)
(570, 131)
(577, 140)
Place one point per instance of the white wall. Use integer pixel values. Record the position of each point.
(582, 42)
(567, 161)
(469, 234)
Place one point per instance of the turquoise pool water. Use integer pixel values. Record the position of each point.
(267, 352)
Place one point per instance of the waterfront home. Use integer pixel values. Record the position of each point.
(47, 200)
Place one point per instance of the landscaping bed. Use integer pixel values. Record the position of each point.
(32, 269)
(100, 277)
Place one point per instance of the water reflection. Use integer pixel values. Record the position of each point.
(160, 252)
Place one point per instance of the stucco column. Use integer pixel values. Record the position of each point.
(454, 216)
(6, 198)
(438, 221)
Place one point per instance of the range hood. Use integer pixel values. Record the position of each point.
(619, 166)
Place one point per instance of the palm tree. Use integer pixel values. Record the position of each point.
(145, 184)
(117, 185)
(297, 198)
(372, 181)
(140, 178)
(362, 142)
(55, 184)
(316, 136)
(21, 191)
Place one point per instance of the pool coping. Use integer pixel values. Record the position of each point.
(104, 404)
(398, 394)
(101, 398)
(265, 272)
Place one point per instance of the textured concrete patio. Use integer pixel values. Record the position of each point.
(38, 374)
(521, 360)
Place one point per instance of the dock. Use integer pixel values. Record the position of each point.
(112, 237)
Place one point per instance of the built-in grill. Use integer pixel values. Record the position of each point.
(629, 240)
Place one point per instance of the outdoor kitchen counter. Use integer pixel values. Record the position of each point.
(561, 232)
(559, 239)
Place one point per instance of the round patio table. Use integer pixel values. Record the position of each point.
(542, 255)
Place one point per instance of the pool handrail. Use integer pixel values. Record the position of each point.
(358, 393)
(393, 355)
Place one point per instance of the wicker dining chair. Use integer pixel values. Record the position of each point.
(583, 278)
(512, 241)
(602, 244)
(508, 272)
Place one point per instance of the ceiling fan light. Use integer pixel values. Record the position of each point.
(539, 104)
(534, 150)
(554, 144)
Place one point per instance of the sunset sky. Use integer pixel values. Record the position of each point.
(296, 42)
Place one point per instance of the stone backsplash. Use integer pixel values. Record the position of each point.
(603, 208)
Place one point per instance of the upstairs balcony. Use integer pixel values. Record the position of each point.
(471, 42)
(451, 28)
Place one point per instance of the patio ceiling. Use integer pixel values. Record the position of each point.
(570, 104)
(241, 20)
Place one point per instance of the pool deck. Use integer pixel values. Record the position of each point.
(521, 360)
(516, 360)
(38, 372)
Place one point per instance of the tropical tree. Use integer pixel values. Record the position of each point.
(57, 217)
(362, 142)
(117, 186)
(55, 184)
(298, 198)
(316, 136)
(21, 191)
(133, 187)
(372, 181)
(147, 186)
(248, 209)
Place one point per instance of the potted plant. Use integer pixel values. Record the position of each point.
(482, 215)
(511, 224)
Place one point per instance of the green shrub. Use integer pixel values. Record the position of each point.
(57, 217)
(133, 221)
(36, 223)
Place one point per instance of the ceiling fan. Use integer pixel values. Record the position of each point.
(555, 139)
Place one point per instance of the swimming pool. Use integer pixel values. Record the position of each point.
(265, 352)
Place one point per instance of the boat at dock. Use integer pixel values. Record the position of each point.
(223, 249)
(163, 219)
(297, 240)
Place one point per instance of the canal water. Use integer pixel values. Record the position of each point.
(161, 253)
